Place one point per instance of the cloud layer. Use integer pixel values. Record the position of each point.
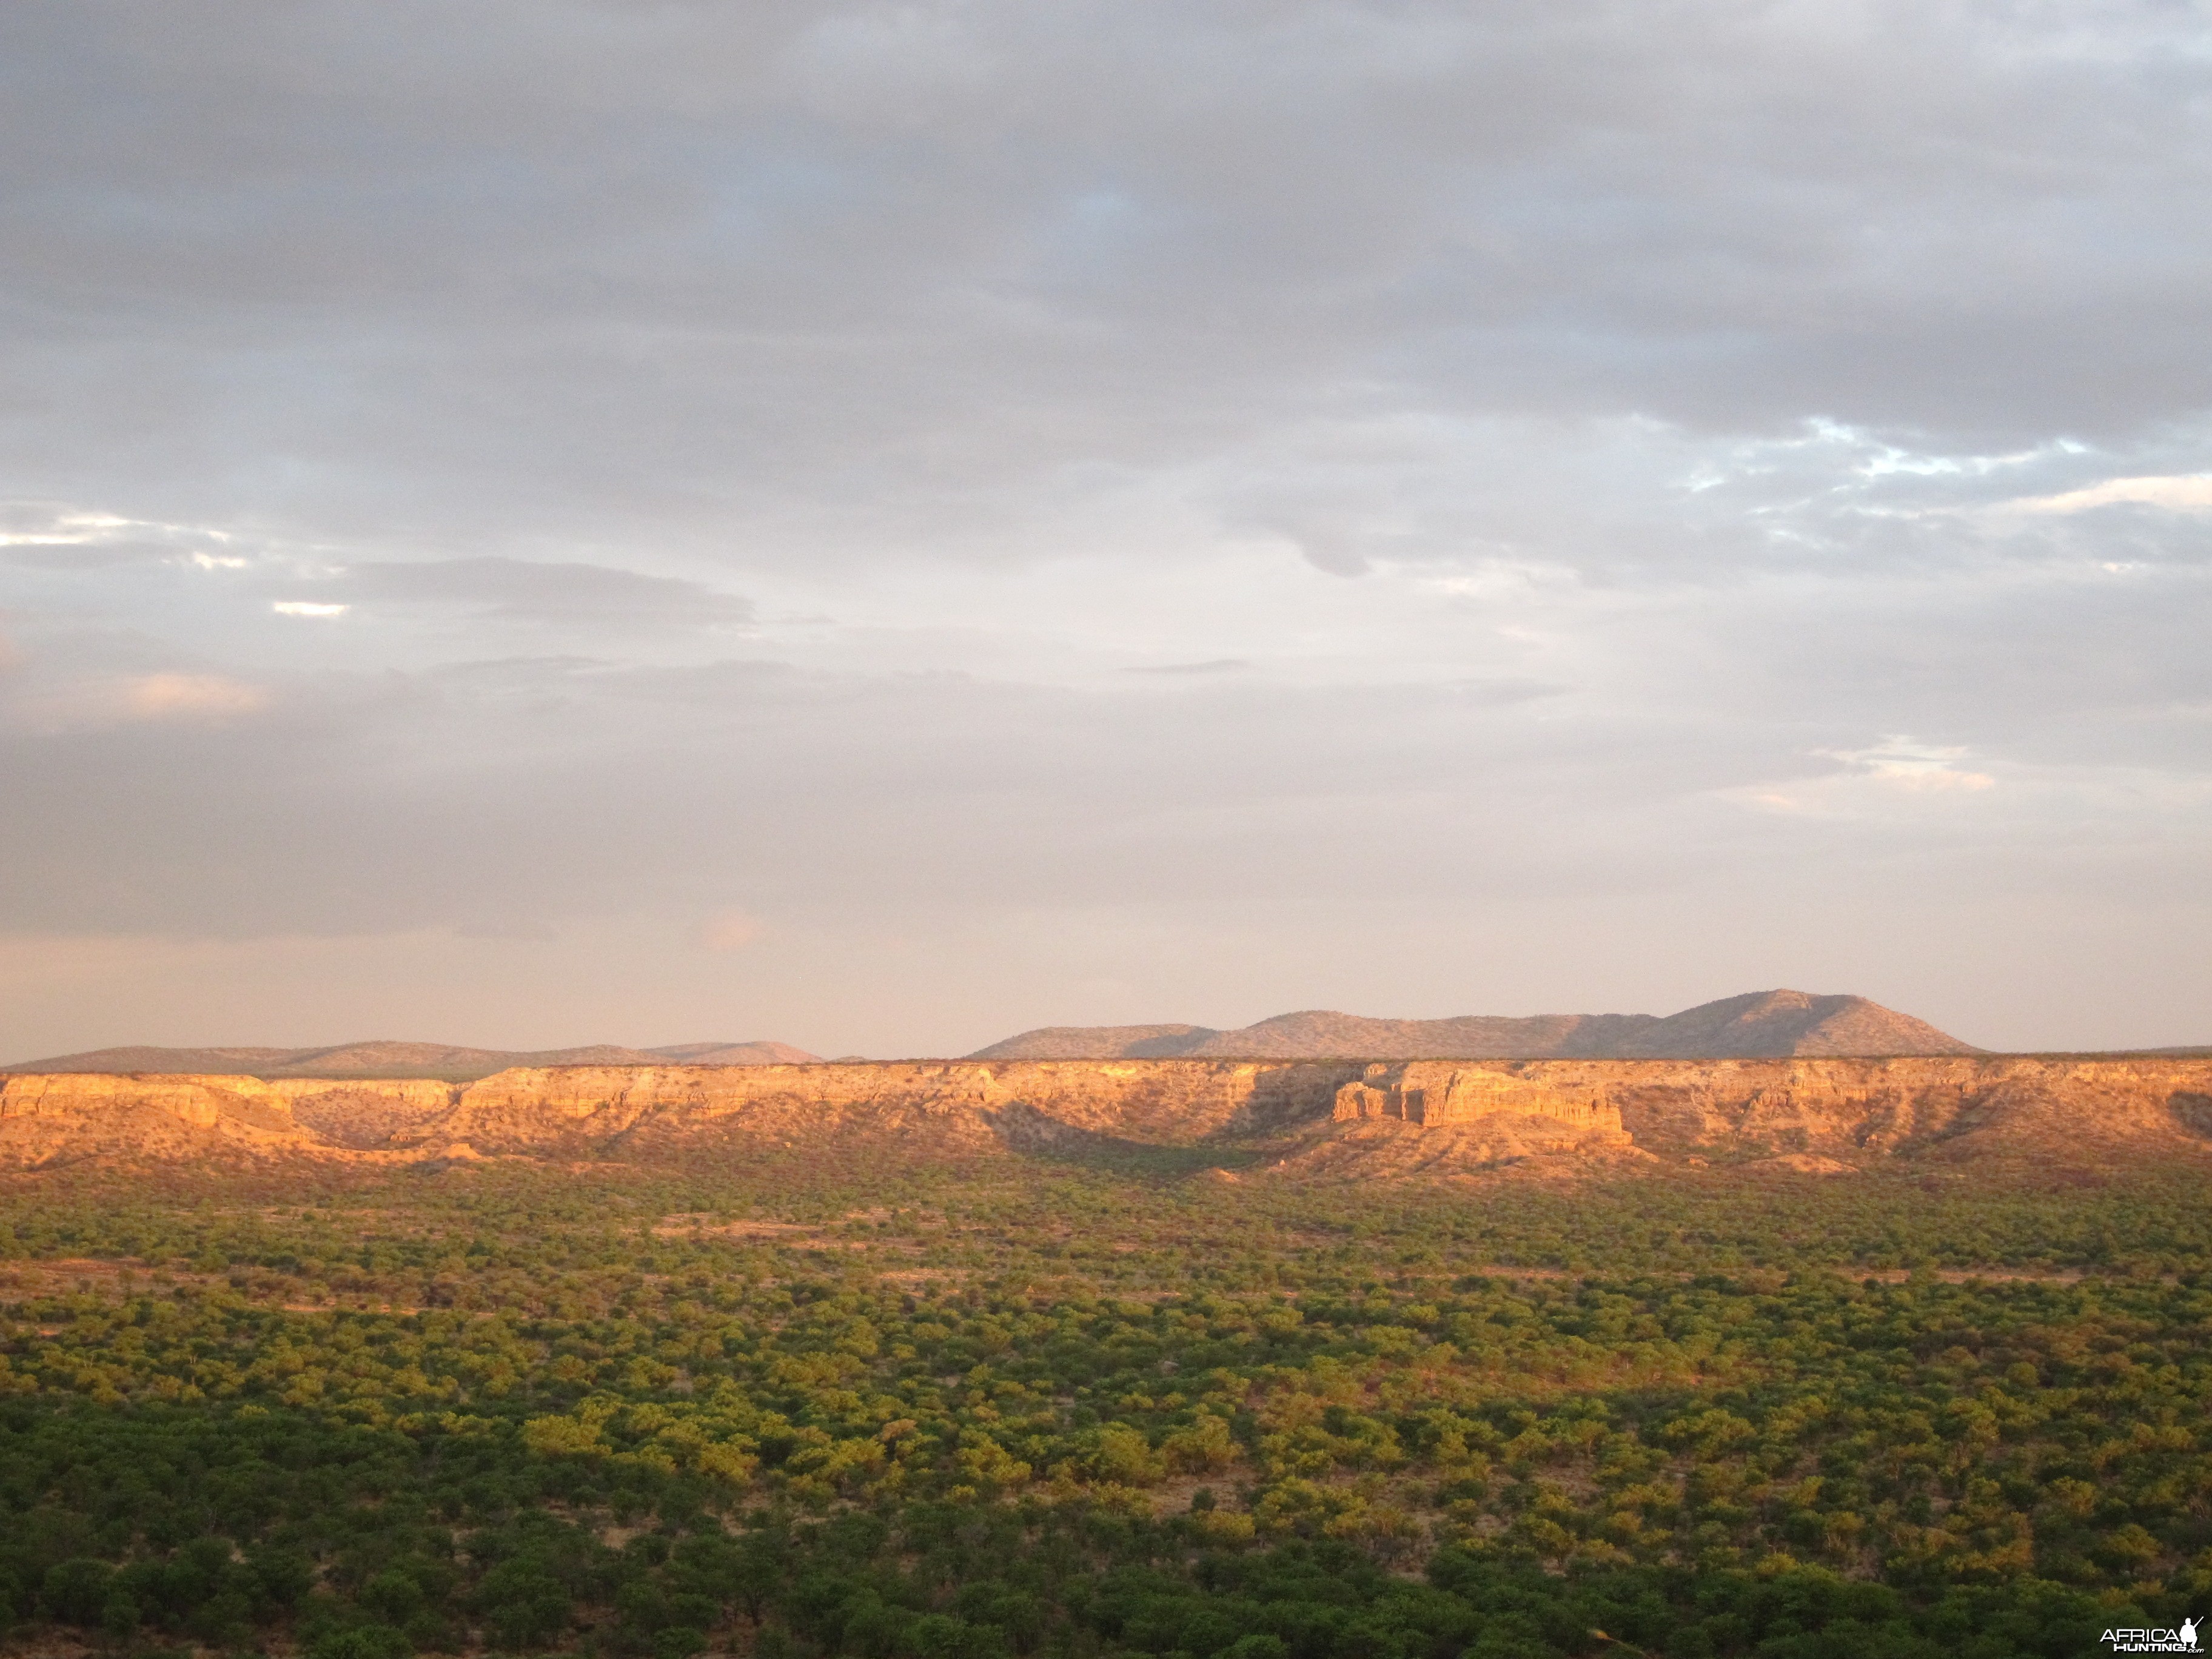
(880, 525)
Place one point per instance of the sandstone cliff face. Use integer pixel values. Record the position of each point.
(1434, 1093)
(953, 1102)
(1937, 1107)
(1431, 1118)
(1377, 1120)
(59, 1117)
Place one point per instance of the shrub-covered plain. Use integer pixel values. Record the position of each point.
(802, 1412)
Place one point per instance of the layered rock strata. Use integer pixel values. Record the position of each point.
(46, 1117)
(1376, 1118)
(1434, 1092)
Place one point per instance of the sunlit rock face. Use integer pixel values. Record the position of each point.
(1432, 1092)
(1372, 1119)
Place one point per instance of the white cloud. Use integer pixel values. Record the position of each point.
(2187, 493)
(1895, 768)
(307, 608)
(1902, 762)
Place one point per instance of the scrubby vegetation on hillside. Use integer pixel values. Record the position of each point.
(805, 1412)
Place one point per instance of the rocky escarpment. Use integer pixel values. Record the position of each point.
(1437, 1118)
(65, 1117)
(2071, 1110)
(1832, 1115)
(1435, 1093)
(937, 1106)
(1312, 1119)
(950, 1104)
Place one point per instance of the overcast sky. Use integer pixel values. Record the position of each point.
(882, 526)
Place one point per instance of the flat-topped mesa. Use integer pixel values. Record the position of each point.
(1433, 1093)
(44, 1117)
(950, 1104)
(1363, 1118)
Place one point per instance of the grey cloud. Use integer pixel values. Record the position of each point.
(1216, 665)
(515, 590)
(842, 250)
(576, 793)
(607, 787)
(1407, 506)
(84, 555)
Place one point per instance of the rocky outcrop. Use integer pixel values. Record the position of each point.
(948, 1102)
(1432, 1117)
(45, 1118)
(1348, 1119)
(1932, 1107)
(1432, 1093)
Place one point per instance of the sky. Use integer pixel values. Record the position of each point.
(882, 526)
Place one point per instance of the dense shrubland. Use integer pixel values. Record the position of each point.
(808, 1412)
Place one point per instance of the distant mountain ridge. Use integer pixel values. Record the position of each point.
(408, 1059)
(1758, 1024)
